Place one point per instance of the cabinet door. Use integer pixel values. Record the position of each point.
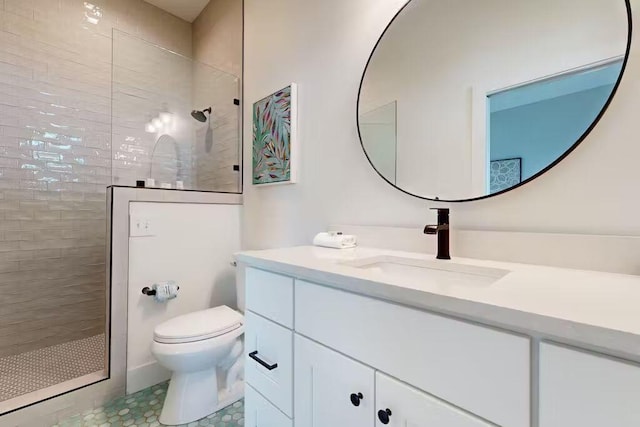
(398, 405)
(258, 412)
(331, 389)
(586, 390)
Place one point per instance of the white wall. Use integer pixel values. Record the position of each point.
(192, 244)
(325, 46)
(438, 56)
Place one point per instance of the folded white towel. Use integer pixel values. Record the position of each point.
(335, 240)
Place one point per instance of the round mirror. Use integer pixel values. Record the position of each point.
(466, 99)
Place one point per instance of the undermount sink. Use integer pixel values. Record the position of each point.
(433, 271)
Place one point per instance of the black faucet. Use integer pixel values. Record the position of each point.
(442, 230)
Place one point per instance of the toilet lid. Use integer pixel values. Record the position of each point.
(198, 326)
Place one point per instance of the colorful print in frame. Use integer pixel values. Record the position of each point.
(274, 138)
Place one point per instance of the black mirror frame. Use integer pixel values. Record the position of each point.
(526, 181)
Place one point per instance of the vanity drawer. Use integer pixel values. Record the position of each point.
(269, 361)
(411, 407)
(259, 412)
(270, 295)
(587, 390)
(482, 370)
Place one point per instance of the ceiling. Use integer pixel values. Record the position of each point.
(185, 9)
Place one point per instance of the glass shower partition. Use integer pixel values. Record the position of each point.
(175, 121)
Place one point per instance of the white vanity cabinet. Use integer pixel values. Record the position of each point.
(319, 367)
(328, 357)
(587, 390)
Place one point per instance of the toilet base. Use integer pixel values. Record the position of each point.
(227, 398)
(194, 395)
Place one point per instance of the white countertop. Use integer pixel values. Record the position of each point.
(592, 309)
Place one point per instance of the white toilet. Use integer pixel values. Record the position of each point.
(204, 352)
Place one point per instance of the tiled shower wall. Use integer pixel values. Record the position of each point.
(217, 41)
(148, 80)
(55, 160)
(215, 146)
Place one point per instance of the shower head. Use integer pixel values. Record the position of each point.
(200, 116)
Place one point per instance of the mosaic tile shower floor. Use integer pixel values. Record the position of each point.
(34, 370)
(142, 409)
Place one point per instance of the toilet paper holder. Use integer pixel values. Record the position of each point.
(150, 292)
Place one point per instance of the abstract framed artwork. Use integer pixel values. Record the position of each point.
(275, 142)
(504, 173)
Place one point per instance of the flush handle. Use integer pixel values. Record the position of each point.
(255, 357)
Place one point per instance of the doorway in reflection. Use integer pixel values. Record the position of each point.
(379, 131)
(532, 125)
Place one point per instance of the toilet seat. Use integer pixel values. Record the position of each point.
(198, 326)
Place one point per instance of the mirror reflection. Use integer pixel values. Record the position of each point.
(462, 99)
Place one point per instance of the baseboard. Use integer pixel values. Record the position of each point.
(145, 376)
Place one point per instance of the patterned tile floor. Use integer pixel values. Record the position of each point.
(34, 370)
(142, 409)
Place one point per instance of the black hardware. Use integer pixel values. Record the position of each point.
(383, 416)
(356, 398)
(236, 101)
(140, 184)
(255, 357)
(442, 230)
(236, 168)
(151, 292)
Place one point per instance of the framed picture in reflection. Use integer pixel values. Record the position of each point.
(504, 174)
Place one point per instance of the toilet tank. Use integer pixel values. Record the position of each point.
(240, 274)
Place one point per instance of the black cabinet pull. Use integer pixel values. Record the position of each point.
(383, 416)
(255, 357)
(356, 398)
